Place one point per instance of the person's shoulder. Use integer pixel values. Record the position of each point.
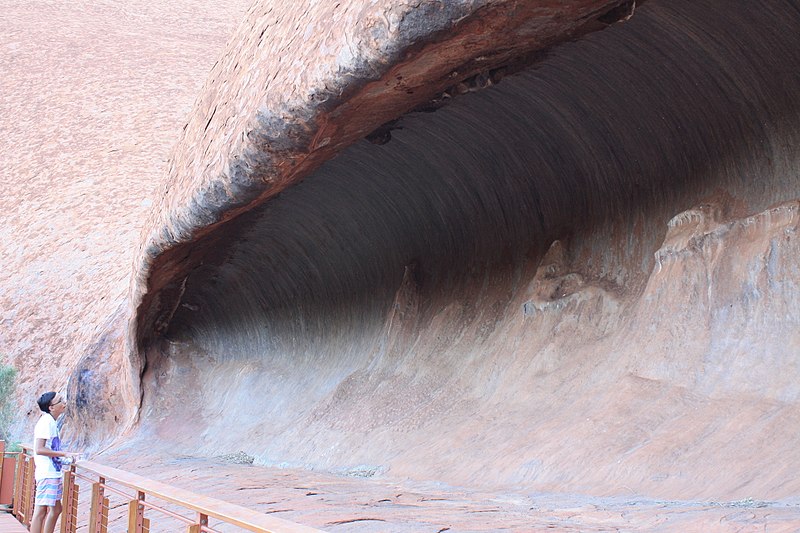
(46, 423)
(41, 427)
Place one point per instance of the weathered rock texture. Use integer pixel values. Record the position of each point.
(510, 245)
(93, 96)
(568, 280)
(264, 123)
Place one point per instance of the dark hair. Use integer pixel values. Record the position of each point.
(44, 401)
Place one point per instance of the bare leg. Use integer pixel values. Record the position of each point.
(37, 520)
(52, 516)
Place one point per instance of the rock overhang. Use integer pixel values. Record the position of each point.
(287, 121)
(635, 124)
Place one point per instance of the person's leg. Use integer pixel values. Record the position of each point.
(47, 505)
(52, 516)
(37, 520)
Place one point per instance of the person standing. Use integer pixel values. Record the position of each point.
(47, 459)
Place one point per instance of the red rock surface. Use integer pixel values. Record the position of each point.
(582, 281)
(94, 95)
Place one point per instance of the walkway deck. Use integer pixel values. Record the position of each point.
(9, 524)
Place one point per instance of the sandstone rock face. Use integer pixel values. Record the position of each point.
(94, 95)
(374, 256)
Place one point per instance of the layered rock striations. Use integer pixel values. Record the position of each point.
(501, 244)
(489, 291)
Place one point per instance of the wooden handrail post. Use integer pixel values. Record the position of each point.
(69, 502)
(202, 521)
(17, 501)
(137, 523)
(98, 513)
(2, 456)
(24, 495)
(30, 489)
(66, 503)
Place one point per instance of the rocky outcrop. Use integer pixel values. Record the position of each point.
(398, 310)
(94, 97)
(263, 125)
(497, 244)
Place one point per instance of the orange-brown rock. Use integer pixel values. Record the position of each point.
(94, 96)
(511, 246)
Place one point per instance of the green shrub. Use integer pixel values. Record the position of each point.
(8, 376)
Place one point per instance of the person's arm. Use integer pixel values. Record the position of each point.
(40, 448)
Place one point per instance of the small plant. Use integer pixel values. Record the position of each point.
(8, 377)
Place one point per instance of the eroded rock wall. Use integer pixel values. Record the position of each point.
(262, 123)
(580, 279)
(93, 98)
(570, 265)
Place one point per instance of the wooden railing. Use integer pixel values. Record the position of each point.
(24, 488)
(8, 462)
(139, 496)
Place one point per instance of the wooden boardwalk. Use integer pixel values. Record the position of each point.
(9, 524)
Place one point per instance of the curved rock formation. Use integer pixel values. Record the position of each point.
(261, 127)
(579, 277)
(94, 98)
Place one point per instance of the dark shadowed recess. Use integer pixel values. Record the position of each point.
(641, 120)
